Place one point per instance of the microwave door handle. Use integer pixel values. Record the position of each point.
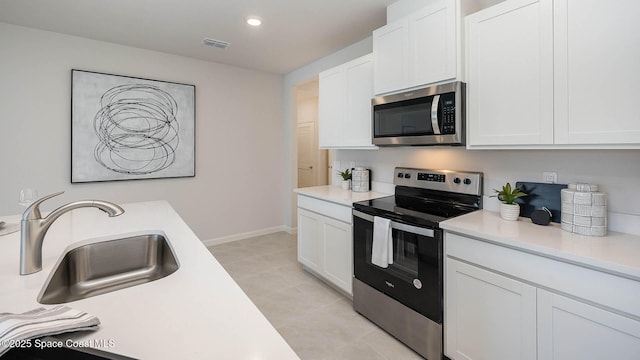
(434, 115)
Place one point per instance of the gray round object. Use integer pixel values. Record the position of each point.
(541, 217)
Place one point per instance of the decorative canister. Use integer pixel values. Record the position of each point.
(584, 210)
(360, 179)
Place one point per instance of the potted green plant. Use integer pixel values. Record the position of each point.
(346, 179)
(509, 209)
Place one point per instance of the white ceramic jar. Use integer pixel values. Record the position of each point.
(584, 210)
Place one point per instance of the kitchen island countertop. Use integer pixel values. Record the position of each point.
(198, 312)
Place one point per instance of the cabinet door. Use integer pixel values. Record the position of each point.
(390, 54)
(569, 329)
(310, 239)
(510, 74)
(359, 77)
(488, 316)
(597, 57)
(331, 107)
(338, 253)
(432, 44)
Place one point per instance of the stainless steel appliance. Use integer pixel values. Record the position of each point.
(433, 115)
(405, 298)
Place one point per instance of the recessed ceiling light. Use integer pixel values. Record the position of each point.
(253, 20)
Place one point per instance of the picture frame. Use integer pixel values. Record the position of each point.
(130, 128)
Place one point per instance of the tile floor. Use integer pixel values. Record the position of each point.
(317, 321)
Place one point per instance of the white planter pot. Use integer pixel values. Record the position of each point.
(345, 184)
(509, 211)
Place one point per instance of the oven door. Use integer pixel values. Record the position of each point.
(415, 277)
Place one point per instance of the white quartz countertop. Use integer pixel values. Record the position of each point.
(338, 195)
(198, 312)
(615, 253)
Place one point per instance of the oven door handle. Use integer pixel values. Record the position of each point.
(398, 226)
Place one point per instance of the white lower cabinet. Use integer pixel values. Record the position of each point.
(505, 304)
(489, 316)
(325, 246)
(337, 250)
(571, 329)
(309, 243)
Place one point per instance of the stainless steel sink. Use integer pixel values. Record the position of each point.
(107, 266)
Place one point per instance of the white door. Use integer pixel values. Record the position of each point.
(597, 66)
(310, 239)
(488, 316)
(432, 40)
(312, 162)
(306, 154)
(390, 54)
(510, 74)
(569, 329)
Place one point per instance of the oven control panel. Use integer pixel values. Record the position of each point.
(432, 177)
(444, 180)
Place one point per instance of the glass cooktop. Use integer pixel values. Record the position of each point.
(419, 206)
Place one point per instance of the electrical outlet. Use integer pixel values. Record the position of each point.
(550, 177)
(352, 165)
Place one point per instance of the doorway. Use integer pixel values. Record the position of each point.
(313, 164)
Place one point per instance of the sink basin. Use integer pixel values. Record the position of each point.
(107, 266)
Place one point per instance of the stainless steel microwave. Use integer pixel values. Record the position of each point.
(433, 115)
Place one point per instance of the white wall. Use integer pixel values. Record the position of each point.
(616, 171)
(242, 165)
(299, 76)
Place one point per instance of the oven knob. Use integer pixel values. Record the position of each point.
(456, 180)
(467, 181)
(400, 175)
(417, 283)
(407, 176)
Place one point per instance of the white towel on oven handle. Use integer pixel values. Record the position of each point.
(382, 247)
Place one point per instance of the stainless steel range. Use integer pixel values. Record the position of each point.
(398, 254)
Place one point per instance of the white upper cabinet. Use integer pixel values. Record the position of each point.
(597, 71)
(554, 74)
(416, 50)
(432, 44)
(332, 91)
(510, 74)
(390, 57)
(344, 104)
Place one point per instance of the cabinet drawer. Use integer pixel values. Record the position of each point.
(595, 286)
(333, 210)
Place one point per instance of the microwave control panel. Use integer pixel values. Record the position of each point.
(448, 102)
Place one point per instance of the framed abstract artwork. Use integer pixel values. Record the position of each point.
(128, 128)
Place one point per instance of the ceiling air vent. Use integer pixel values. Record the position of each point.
(217, 43)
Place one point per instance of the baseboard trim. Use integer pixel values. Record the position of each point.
(247, 235)
(291, 230)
